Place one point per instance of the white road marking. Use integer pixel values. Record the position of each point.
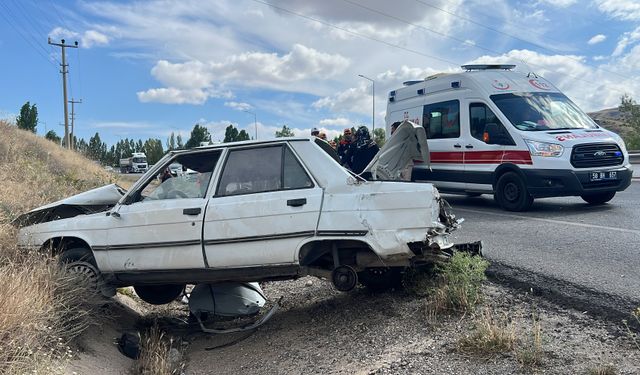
(552, 221)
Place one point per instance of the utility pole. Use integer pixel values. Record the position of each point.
(255, 121)
(73, 118)
(373, 111)
(64, 72)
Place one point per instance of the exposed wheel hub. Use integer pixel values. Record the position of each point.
(344, 278)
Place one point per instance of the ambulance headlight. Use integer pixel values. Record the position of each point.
(544, 149)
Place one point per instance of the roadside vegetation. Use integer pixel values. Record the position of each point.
(43, 307)
(158, 354)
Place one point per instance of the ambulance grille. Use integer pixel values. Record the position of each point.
(594, 155)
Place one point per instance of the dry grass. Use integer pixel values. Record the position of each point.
(490, 336)
(43, 307)
(502, 334)
(633, 336)
(603, 370)
(157, 355)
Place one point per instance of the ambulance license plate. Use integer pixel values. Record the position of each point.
(603, 176)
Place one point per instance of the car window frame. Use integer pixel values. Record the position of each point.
(229, 151)
(134, 196)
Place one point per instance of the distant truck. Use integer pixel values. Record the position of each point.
(137, 163)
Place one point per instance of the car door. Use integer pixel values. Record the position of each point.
(159, 227)
(482, 155)
(265, 204)
(441, 121)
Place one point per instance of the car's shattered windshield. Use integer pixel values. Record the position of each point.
(542, 111)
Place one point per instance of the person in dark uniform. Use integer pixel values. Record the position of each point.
(344, 148)
(364, 150)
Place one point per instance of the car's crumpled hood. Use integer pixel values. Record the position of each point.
(92, 201)
(408, 143)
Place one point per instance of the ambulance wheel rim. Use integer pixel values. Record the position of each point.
(511, 192)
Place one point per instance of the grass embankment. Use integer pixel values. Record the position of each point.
(42, 307)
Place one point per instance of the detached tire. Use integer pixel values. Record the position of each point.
(380, 279)
(598, 198)
(80, 261)
(511, 193)
(159, 294)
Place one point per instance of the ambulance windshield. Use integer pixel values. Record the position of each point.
(539, 111)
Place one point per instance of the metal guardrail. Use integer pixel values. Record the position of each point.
(634, 157)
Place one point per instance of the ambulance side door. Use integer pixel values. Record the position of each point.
(441, 121)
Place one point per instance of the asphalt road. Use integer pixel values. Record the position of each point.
(595, 247)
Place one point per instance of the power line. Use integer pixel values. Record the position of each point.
(457, 39)
(392, 44)
(355, 33)
(25, 37)
(518, 38)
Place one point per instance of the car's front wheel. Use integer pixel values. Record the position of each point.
(159, 294)
(598, 198)
(80, 262)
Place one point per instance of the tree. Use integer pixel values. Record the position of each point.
(153, 150)
(96, 148)
(231, 134)
(379, 136)
(198, 134)
(630, 111)
(28, 118)
(285, 132)
(179, 142)
(52, 136)
(171, 142)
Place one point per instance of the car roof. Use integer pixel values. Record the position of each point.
(246, 143)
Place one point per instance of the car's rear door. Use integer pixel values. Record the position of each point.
(265, 204)
(160, 229)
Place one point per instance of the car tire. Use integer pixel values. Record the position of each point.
(598, 198)
(80, 261)
(159, 294)
(380, 279)
(512, 194)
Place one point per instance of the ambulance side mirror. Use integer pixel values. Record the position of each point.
(495, 134)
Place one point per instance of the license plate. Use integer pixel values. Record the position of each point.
(603, 176)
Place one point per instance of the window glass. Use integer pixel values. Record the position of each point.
(540, 111)
(479, 116)
(442, 120)
(192, 182)
(294, 175)
(252, 171)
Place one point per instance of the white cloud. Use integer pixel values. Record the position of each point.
(338, 121)
(590, 87)
(193, 81)
(628, 10)
(560, 3)
(238, 106)
(597, 39)
(172, 95)
(121, 125)
(625, 40)
(88, 39)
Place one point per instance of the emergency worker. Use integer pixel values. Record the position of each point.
(344, 148)
(364, 150)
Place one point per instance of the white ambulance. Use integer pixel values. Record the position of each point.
(492, 130)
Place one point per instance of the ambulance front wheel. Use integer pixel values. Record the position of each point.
(512, 194)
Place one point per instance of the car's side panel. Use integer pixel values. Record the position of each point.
(155, 235)
(259, 228)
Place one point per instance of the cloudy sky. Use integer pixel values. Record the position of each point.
(148, 68)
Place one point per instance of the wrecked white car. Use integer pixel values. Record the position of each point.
(252, 211)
